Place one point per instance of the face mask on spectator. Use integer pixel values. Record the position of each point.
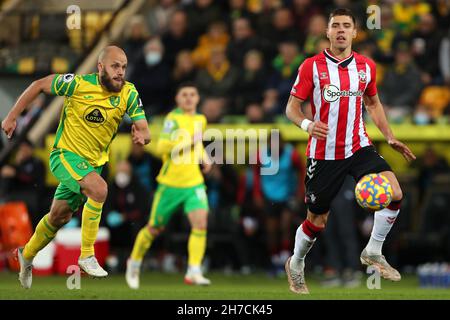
(122, 179)
(421, 118)
(153, 58)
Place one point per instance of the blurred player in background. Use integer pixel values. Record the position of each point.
(338, 81)
(278, 194)
(94, 106)
(180, 183)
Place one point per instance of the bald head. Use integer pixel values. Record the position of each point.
(112, 65)
(111, 51)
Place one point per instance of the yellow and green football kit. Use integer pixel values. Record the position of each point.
(88, 124)
(180, 182)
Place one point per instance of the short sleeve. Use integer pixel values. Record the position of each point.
(303, 85)
(134, 105)
(65, 84)
(371, 88)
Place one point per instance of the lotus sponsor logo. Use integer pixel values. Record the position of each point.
(95, 116)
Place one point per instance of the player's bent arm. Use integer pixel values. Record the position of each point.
(205, 159)
(30, 93)
(142, 131)
(316, 129)
(166, 143)
(294, 111)
(165, 146)
(376, 112)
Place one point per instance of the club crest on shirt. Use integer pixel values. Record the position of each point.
(114, 100)
(362, 76)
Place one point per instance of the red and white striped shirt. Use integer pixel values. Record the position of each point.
(336, 88)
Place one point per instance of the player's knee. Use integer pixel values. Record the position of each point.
(398, 193)
(199, 220)
(201, 224)
(99, 192)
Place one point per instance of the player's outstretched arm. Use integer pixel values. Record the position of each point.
(316, 129)
(140, 132)
(30, 93)
(376, 112)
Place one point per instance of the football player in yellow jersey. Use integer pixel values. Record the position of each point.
(180, 184)
(94, 106)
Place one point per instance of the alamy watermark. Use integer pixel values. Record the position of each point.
(374, 280)
(73, 17)
(73, 282)
(374, 19)
(231, 146)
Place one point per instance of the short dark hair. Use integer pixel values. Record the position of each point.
(342, 12)
(186, 85)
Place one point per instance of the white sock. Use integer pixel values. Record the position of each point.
(303, 243)
(382, 224)
(194, 269)
(135, 263)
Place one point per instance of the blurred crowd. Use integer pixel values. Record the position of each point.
(253, 217)
(244, 54)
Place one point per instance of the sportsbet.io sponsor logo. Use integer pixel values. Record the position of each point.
(331, 93)
(94, 116)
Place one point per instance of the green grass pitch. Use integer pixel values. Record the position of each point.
(235, 287)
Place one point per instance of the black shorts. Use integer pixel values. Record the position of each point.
(324, 178)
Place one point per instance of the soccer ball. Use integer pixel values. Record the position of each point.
(373, 192)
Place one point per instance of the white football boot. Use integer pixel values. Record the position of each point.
(194, 276)
(296, 278)
(91, 267)
(379, 262)
(132, 273)
(26, 270)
